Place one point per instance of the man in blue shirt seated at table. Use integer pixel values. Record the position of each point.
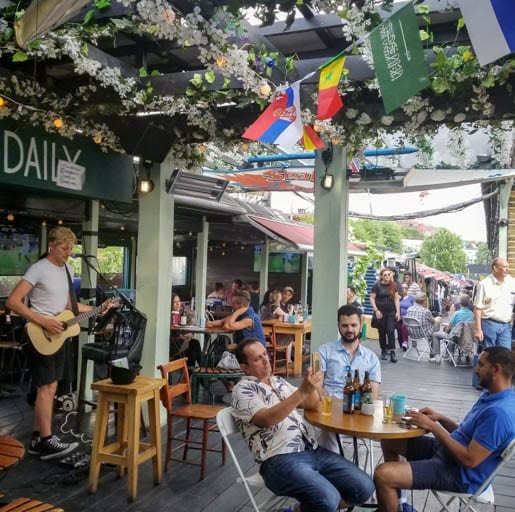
(284, 444)
(347, 351)
(459, 457)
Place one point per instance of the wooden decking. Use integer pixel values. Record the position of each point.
(442, 387)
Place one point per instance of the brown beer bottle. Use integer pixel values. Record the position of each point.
(357, 391)
(348, 394)
(366, 390)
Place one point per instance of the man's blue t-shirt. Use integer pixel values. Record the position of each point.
(491, 423)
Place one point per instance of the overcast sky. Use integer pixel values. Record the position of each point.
(468, 223)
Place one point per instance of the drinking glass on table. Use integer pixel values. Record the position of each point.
(327, 403)
(387, 408)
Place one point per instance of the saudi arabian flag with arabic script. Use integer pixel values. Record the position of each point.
(399, 58)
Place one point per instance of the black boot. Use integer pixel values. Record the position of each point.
(384, 357)
(393, 357)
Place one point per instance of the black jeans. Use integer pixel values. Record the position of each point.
(386, 329)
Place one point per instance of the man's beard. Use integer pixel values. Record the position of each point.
(351, 340)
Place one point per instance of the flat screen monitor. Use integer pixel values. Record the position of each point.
(280, 262)
(18, 250)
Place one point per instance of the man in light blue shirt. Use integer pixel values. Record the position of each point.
(464, 314)
(347, 351)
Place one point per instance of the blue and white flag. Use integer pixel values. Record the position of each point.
(491, 27)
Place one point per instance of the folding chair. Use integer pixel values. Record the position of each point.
(484, 494)
(460, 348)
(417, 340)
(227, 427)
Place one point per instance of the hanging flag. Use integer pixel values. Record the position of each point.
(399, 58)
(354, 166)
(491, 27)
(310, 140)
(281, 122)
(329, 100)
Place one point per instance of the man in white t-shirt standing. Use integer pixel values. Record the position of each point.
(493, 306)
(46, 285)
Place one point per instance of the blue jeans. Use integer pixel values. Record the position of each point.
(495, 333)
(318, 479)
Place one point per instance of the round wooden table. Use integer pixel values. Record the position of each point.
(359, 425)
(11, 451)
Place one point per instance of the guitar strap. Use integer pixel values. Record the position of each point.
(73, 297)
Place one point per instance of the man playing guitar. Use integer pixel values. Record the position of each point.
(46, 285)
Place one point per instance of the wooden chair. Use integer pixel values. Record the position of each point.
(29, 505)
(277, 354)
(177, 385)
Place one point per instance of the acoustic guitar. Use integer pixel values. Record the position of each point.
(48, 344)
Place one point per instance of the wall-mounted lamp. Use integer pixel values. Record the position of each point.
(10, 216)
(327, 180)
(146, 185)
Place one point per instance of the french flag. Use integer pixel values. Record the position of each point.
(281, 122)
(491, 27)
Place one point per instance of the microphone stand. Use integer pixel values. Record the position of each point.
(111, 286)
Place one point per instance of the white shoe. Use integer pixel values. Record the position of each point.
(435, 359)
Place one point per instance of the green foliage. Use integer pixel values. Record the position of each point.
(373, 258)
(483, 254)
(306, 218)
(381, 233)
(412, 233)
(452, 69)
(444, 251)
(20, 56)
(110, 260)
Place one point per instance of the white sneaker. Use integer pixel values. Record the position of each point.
(435, 359)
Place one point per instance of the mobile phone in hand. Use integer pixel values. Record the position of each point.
(315, 361)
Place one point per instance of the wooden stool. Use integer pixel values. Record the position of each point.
(127, 450)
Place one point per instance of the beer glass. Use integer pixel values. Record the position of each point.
(387, 408)
(327, 403)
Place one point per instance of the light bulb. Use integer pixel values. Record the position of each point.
(2, 101)
(10, 217)
(97, 139)
(58, 122)
(60, 222)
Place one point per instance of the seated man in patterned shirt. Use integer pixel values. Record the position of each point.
(419, 312)
(265, 410)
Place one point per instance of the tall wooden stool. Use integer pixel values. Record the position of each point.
(127, 450)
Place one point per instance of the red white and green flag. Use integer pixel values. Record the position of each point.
(399, 58)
